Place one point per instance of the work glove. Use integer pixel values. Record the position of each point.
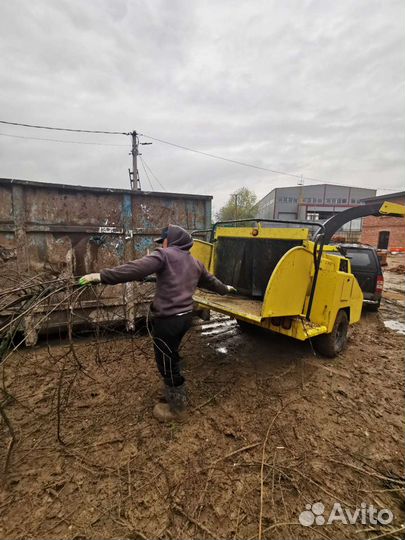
(88, 279)
(149, 279)
(231, 289)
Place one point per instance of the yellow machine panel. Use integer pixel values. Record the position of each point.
(289, 284)
(202, 251)
(335, 290)
(392, 209)
(262, 232)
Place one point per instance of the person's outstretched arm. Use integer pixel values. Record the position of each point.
(132, 271)
(210, 282)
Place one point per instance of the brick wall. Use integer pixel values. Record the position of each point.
(372, 225)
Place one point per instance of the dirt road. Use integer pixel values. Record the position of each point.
(393, 306)
(273, 428)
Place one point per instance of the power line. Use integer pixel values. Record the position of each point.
(146, 172)
(253, 166)
(154, 175)
(207, 154)
(333, 183)
(64, 129)
(58, 140)
(175, 145)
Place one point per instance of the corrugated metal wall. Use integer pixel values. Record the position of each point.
(63, 231)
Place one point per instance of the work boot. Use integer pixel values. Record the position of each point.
(174, 410)
(162, 395)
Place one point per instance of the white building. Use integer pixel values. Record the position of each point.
(315, 202)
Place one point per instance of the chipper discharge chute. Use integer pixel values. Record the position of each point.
(288, 280)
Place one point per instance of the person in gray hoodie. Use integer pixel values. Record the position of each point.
(178, 274)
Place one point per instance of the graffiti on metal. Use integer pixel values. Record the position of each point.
(67, 231)
(110, 230)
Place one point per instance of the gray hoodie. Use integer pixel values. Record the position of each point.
(178, 274)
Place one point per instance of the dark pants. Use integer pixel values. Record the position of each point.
(167, 334)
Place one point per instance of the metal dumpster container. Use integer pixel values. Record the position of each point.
(56, 230)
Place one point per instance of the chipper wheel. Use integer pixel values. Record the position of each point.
(332, 344)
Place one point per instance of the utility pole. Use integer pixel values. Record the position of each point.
(134, 175)
(134, 180)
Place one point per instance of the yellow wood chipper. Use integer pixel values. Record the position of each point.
(289, 280)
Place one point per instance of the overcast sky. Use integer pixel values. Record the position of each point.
(307, 87)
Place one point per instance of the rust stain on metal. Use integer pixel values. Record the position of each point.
(65, 231)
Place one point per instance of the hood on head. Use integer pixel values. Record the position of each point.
(178, 237)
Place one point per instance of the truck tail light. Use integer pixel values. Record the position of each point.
(380, 285)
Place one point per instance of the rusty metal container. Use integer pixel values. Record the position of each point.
(61, 230)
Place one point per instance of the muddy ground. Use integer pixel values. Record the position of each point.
(272, 429)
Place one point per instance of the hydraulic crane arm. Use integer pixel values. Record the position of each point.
(333, 224)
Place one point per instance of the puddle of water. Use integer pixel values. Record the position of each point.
(219, 327)
(397, 326)
(214, 324)
(218, 331)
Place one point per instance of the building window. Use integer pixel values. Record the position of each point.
(290, 199)
(280, 199)
(344, 201)
(320, 200)
(353, 201)
(353, 225)
(284, 199)
(295, 199)
(339, 201)
(313, 216)
(333, 200)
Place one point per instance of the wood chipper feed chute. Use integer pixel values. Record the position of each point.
(245, 257)
(272, 268)
(247, 309)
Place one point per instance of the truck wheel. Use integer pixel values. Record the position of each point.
(373, 307)
(333, 343)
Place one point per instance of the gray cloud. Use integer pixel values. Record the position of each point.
(309, 87)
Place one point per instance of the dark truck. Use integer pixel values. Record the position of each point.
(366, 268)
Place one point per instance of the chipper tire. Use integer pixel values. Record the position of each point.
(332, 344)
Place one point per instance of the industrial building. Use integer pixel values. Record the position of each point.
(316, 202)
